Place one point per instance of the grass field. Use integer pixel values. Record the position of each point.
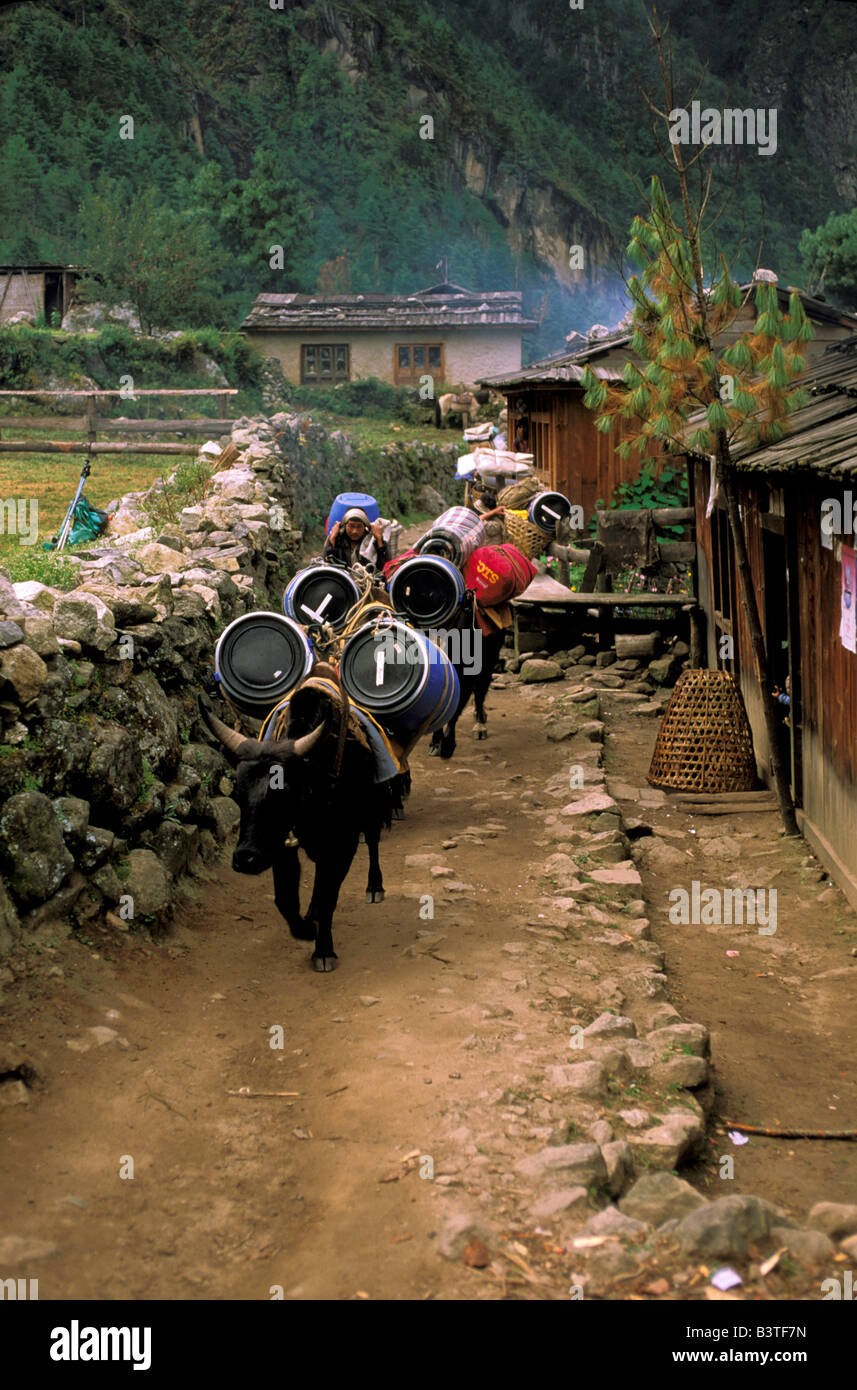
(52, 480)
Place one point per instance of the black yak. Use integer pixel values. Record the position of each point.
(314, 788)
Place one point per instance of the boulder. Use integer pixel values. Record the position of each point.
(33, 855)
(587, 1079)
(836, 1219)
(725, 1228)
(567, 1199)
(10, 927)
(664, 669)
(73, 816)
(659, 1197)
(620, 1166)
(85, 618)
(154, 722)
(115, 769)
(575, 1163)
(23, 670)
(608, 1026)
(535, 670)
(148, 883)
(159, 559)
(10, 634)
(688, 1038)
(810, 1247)
(39, 632)
(676, 1140)
(10, 604)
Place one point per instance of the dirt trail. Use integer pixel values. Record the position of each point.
(231, 1196)
(394, 1054)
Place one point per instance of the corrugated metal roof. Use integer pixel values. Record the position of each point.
(567, 366)
(439, 306)
(823, 435)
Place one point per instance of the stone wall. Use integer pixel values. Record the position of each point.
(108, 794)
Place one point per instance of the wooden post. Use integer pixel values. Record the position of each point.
(90, 420)
(606, 618)
(696, 636)
(754, 626)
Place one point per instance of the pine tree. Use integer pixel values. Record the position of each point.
(693, 393)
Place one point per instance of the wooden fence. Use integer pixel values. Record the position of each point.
(92, 424)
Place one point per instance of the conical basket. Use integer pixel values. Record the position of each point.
(704, 743)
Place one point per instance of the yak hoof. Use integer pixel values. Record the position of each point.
(398, 813)
(434, 750)
(324, 964)
(480, 730)
(374, 895)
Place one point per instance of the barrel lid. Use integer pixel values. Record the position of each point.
(548, 509)
(320, 593)
(260, 657)
(384, 668)
(428, 588)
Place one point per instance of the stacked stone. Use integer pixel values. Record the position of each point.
(106, 796)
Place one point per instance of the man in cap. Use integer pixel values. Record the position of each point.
(356, 541)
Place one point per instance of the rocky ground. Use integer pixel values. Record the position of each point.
(494, 1096)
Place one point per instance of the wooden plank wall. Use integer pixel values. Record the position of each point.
(827, 672)
(579, 460)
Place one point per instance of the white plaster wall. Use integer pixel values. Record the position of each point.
(470, 354)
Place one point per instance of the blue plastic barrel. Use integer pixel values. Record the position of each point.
(401, 677)
(260, 658)
(321, 594)
(427, 589)
(345, 501)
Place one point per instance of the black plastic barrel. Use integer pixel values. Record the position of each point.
(547, 510)
(321, 593)
(260, 658)
(427, 589)
(401, 677)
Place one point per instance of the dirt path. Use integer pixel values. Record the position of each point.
(781, 1009)
(230, 1195)
(421, 1044)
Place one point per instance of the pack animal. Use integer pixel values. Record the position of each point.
(314, 788)
(462, 403)
(474, 679)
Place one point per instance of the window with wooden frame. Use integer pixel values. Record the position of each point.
(325, 362)
(413, 360)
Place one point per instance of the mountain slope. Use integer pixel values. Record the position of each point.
(301, 127)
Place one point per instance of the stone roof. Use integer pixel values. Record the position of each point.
(438, 306)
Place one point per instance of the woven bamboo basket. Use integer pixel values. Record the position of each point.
(704, 743)
(518, 529)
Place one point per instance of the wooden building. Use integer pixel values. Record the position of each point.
(803, 573)
(449, 333)
(35, 290)
(580, 460)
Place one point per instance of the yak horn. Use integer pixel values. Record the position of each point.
(303, 745)
(235, 742)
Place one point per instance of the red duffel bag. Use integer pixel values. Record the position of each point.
(392, 565)
(497, 573)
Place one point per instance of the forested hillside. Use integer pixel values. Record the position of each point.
(300, 127)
